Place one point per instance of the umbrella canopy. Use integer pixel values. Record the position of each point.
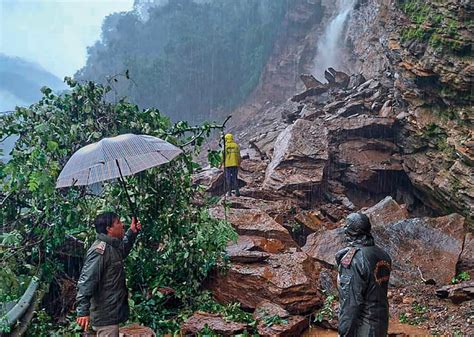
(115, 157)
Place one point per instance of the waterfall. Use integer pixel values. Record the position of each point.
(329, 46)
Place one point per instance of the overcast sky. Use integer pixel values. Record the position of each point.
(54, 33)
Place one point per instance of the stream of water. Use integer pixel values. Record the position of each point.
(329, 45)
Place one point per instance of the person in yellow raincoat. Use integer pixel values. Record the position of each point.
(231, 161)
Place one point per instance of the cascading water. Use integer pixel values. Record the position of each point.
(329, 46)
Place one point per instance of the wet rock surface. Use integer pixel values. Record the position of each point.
(299, 158)
(199, 320)
(286, 325)
(324, 246)
(291, 326)
(415, 245)
(287, 279)
(385, 212)
(466, 260)
(458, 292)
(254, 222)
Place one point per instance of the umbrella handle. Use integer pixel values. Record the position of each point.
(122, 182)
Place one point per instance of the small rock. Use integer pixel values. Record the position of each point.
(386, 109)
(408, 300)
(310, 81)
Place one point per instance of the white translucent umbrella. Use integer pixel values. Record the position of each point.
(115, 157)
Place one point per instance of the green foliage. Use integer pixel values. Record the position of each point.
(296, 227)
(418, 11)
(43, 324)
(403, 318)
(190, 59)
(233, 313)
(272, 320)
(416, 316)
(180, 243)
(437, 137)
(461, 277)
(414, 33)
(4, 326)
(327, 311)
(432, 27)
(230, 312)
(214, 158)
(206, 331)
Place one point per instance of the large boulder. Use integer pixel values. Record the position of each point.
(367, 160)
(314, 221)
(290, 111)
(299, 158)
(247, 243)
(351, 109)
(271, 207)
(416, 245)
(365, 126)
(289, 280)
(441, 185)
(370, 154)
(254, 222)
(309, 93)
(323, 246)
(211, 178)
(310, 81)
(385, 212)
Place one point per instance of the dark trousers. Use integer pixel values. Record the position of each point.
(231, 179)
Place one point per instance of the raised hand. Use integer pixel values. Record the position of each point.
(136, 226)
(83, 321)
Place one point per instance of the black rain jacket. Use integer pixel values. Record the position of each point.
(364, 272)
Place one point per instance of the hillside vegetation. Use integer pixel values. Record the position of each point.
(189, 59)
(180, 242)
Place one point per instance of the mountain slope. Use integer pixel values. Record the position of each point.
(21, 82)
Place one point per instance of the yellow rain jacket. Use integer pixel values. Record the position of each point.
(231, 152)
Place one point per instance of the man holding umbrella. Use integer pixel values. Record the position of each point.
(102, 296)
(102, 292)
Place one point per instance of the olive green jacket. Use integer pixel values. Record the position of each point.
(101, 290)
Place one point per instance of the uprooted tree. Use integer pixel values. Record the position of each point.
(180, 242)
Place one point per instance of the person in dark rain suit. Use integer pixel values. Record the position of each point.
(363, 276)
(102, 296)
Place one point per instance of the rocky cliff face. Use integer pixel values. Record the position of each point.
(417, 57)
(422, 52)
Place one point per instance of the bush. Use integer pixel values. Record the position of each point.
(180, 242)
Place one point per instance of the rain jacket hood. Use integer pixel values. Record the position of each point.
(231, 153)
(357, 230)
